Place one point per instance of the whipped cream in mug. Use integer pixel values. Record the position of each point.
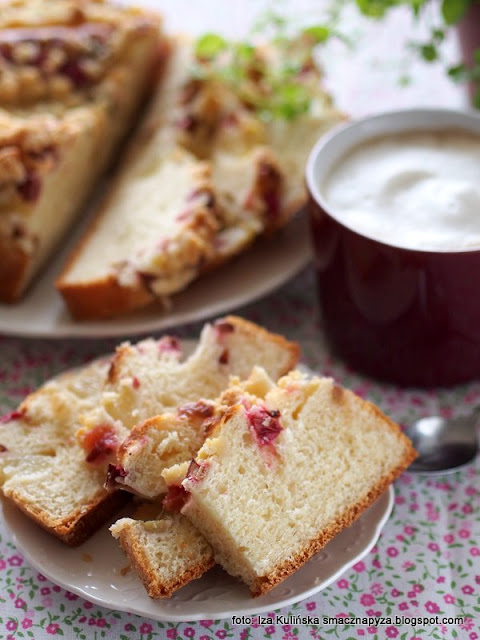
(418, 190)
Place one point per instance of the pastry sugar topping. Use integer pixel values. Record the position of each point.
(199, 414)
(99, 443)
(76, 53)
(265, 424)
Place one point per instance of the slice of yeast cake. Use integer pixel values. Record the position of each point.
(42, 468)
(277, 479)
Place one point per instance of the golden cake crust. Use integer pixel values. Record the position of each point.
(157, 587)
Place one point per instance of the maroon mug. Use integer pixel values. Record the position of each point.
(407, 316)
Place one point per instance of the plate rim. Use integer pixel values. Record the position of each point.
(387, 496)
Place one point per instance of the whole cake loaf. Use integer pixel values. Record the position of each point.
(72, 76)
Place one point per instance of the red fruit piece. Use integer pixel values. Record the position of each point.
(224, 357)
(30, 189)
(223, 327)
(169, 343)
(265, 424)
(13, 415)
(196, 471)
(175, 498)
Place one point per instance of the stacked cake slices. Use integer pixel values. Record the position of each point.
(55, 449)
(234, 456)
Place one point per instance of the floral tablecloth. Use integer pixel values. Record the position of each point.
(426, 563)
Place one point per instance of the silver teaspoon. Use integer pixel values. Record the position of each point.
(443, 444)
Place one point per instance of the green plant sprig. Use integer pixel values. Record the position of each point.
(451, 12)
(274, 90)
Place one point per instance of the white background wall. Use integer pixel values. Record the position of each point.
(362, 80)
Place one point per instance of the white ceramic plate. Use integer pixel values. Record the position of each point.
(94, 571)
(269, 263)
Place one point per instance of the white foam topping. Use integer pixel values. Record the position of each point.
(418, 190)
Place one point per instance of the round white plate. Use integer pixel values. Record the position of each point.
(97, 571)
(265, 266)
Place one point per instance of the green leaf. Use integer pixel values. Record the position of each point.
(291, 100)
(244, 51)
(269, 20)
(454, 10)
(209, 46)
(438, 35)
(428, 52)
(319, 33)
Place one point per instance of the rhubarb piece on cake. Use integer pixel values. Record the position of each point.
(65, 68)
(43, 470)
(277, 480)
(172, 438)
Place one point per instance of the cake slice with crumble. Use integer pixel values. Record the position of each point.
(210, 170)
(277, 479)
(163, 547)
(157, 223)
(42, 468)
